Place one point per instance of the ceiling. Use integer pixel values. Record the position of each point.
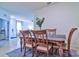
(23, 8)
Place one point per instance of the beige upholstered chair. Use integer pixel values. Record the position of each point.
(27, 41)
(66, 46)
(41, 42)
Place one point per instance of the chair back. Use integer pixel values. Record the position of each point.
(70, 37)
(26, 36)
(40, 37)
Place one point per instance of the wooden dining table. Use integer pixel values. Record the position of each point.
(56, 38)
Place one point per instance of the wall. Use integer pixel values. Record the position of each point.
(62, 16)
(12, 28)
(5, 16)
(28, 24)
(0, 23)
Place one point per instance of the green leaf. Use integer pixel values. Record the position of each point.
(39, 21)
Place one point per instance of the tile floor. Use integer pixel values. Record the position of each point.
(8, 45)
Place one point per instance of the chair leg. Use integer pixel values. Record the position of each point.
(24, 51)
(56, 51)
(52, 50)
(61, 52)
(69, 54)
(21, 49)
(21, 46)
(33, 52)
(47, 54)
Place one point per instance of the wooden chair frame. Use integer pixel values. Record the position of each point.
(41, 40)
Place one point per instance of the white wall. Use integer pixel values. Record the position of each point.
(62, 16)
(28, 24)
(5, 16)
(12, 28)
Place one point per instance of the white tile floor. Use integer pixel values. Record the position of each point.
(7, 46)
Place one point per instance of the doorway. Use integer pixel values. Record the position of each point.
(19, 27)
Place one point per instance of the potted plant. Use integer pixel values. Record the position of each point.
(39, 21)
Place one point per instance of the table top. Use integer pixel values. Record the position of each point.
(59, 36)
(56, 37)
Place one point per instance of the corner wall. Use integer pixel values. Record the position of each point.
(62, 16)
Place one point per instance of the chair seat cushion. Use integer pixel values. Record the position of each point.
(29, 45)
(43, 48)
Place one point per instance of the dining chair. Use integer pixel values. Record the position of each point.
(41, 41)
(65, 47)
(51, 33)
(27, 41)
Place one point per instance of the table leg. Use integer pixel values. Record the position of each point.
(21, 43)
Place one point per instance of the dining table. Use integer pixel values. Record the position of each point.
(60, 38)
